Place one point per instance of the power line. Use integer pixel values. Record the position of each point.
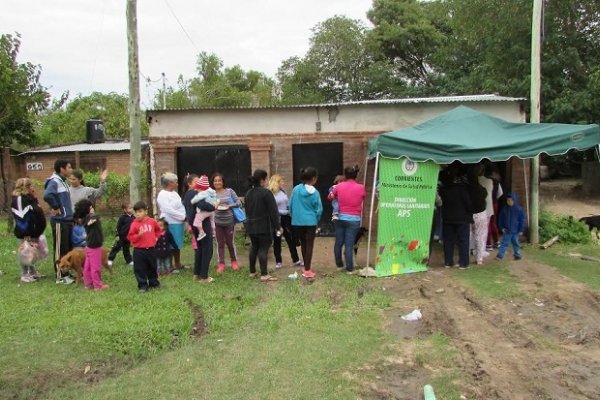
(182, 28)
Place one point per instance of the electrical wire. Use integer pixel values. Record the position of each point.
(181, 26)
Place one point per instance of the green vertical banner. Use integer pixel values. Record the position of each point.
(407, 192)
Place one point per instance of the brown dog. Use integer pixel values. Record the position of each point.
(74, 260)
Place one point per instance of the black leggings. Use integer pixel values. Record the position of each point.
(261, 243)
(306, 234)
(286, 224)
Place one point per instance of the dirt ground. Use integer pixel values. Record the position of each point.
(545, 346)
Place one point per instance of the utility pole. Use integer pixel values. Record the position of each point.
(135, 131)
(164, 91)
(536, 38)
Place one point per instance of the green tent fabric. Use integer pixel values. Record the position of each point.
(469, 136)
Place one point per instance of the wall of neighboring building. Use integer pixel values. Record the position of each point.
(40, 166)
(115, 161)
(319, 120)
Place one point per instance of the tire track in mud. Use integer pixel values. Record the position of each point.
(522, 349)
(545, 345)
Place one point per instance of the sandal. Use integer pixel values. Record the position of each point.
(268, 278)
(252, 275)
(207, 280)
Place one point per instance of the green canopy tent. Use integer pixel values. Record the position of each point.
(469, 136)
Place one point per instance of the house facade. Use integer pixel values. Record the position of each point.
(282, 140)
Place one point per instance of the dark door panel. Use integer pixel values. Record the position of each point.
(328, 159)
(233, 162)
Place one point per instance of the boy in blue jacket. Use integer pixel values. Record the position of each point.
(511, 223)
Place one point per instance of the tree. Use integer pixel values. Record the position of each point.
(65, 123)
(22, 97)
(216, 86)
(339, 66)
(406, 36)
(480, 46)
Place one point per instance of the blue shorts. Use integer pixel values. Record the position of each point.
(177, 232)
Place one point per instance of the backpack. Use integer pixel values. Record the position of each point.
(24, 224)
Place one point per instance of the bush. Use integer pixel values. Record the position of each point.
(568, 229)
(117, 188)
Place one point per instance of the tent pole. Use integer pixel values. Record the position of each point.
(526, 193)
(365, 182)
(373, 190)
(536, 44)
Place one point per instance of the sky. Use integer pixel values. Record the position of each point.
(81, 45)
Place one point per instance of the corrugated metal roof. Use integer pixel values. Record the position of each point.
(415, 100)
(83, 147)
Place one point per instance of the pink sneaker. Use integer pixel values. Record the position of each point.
(308, 274)
(234, 265)
(221, 268)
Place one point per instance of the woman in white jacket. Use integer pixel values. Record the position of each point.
(172, 210)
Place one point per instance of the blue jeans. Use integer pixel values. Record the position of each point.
(508, 238)
(163, 265)
(345, 234)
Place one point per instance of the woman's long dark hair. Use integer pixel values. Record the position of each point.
(308, 173)
(258, 176)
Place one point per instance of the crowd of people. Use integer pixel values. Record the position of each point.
(466, 208)
(208, 210)
(474, 210)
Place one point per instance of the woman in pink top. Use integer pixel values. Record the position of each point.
(350, 196)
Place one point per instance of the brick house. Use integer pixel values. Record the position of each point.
(283, 139)
(38, 164)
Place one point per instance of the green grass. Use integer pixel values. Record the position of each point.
(492, 281)
(579, 270)
(282, 340)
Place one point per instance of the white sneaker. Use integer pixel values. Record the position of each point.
(110, 263)
(130, 264)
(67, 280)
(299, 263)
(201, 235)
(278, 266)
(27, 278)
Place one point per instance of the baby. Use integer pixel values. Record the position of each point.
(208, 194)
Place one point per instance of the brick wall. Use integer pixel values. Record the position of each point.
(272, 153)
(116, 161)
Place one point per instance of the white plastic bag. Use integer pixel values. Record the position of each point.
(414, 315)
(28, 253)
(42, 246)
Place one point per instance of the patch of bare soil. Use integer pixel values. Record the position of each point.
(199, 325)
(545, 345)
(565, 197)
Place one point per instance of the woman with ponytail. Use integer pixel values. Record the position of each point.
(262, 223)
(306, 210)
